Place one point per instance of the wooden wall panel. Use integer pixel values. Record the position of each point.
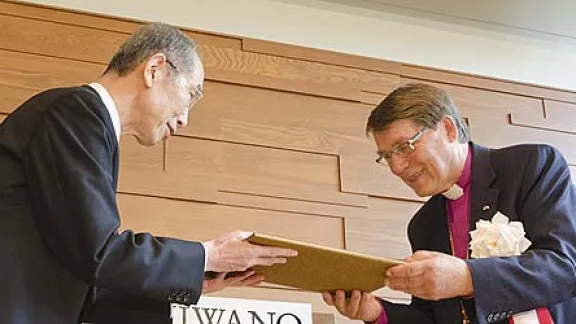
(200, 221)
(557, 116)
(104, 22)
(290, 204)
(322, 56)
(278, 144)
(58, 40)
(245, 164)
(22, 75)
(492, 84)
(377, 230)
(361, 174)
(495, 133)
(278, 119)
(292, 75)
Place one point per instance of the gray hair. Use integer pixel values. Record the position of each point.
(423, 104)
(152, 39)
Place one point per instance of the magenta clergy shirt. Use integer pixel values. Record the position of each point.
(458, 219)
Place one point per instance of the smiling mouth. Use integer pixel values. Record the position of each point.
(414, 176)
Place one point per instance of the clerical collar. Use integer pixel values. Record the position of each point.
(454, 192)
(457, 191)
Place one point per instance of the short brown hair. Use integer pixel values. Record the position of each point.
(423, 104)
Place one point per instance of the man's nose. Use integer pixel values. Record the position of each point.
(398, 164)
(182, 119)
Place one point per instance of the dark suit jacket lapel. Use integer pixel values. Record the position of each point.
(483, 198)
(108, 121)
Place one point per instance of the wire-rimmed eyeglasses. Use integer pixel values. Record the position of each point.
(402, 150)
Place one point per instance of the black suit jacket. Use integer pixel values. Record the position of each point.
(59, 218)
(527, 183)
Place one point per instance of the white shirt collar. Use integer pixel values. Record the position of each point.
(110, 106)
(454, 192)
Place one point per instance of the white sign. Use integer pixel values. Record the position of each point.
(214, 310)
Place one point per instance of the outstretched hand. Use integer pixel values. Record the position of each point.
(231, 252)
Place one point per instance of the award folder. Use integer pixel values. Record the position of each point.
(319, 269)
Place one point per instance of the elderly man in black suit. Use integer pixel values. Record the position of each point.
(61, 251)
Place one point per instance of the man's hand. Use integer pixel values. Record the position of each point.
(246, 278)
(231, 253)
(360, 306)
(432, 276)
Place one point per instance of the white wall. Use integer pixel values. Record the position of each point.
(361, 31)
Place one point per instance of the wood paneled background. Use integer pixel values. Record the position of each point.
(277, 146)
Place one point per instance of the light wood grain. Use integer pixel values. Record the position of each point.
(289, 205)
(152, 182)
(58, 40)
(557, 116)
(361, 174)
(491, 84)
(493, 132)
(201, 221)
(247, 163)
(322, 56)
(313, 73)
(133, 154)
(381, 229)
(278, 119)
(104, 22)
(23, 75)
(478, 102)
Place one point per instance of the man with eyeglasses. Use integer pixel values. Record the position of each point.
(423, 139)
(63, 259)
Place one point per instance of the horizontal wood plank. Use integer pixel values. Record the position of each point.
(360, 174)
(23, 75)
(299, 193)
(133, 154)
(477, 102)
(152, 182)
(558, 117)
(289, 205)
(492, 84)
(104, 22)
(322, 56)
(381, 229)
(493, 132)
(316, 75)
(58, 40)
(242, 163)
(200, 221)
(277, 119)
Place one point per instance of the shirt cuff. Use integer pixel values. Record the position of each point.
(206, 252)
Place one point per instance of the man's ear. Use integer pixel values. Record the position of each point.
(450, 128)
(155, 67)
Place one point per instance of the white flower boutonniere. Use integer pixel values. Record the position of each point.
(501, 238)
(498, 238)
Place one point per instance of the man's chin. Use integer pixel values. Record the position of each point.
(148, 141)
(422, 192)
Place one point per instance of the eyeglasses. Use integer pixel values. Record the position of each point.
(194, 97)
(401, 150)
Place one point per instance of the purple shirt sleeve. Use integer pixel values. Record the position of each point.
(383, 319)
